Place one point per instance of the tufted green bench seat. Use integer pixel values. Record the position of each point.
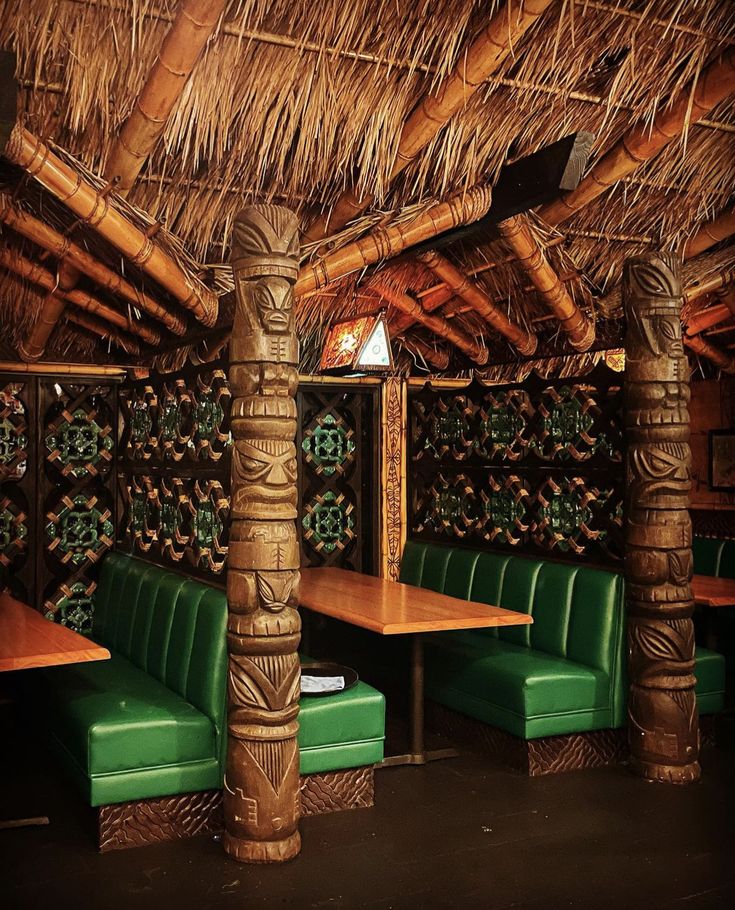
(564, 673)
(714, 557)
(151, 721)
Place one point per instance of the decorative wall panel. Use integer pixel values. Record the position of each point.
(174, 469)
(57, 509)
(76, 506)
(338, 448)
(534, 468)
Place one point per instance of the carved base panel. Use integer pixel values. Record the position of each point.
(534, 757)
(153, 821)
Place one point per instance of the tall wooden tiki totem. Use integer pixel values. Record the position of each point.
(663, 723)
(261, 794)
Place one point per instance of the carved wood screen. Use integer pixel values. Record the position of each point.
(174, 469)
(338, 447)
(174, 472)
(534, 467)
(57, 505)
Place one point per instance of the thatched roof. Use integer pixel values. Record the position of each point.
(294, 103)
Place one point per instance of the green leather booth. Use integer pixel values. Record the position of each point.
(151, 720)
(714, 557)
(565, 672)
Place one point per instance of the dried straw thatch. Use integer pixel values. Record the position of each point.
(296, 102)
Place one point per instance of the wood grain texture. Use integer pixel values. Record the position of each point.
(391, 608)
(28, 640)
(709, 591)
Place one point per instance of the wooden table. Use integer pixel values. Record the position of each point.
(710, 591)
(391, 608)
(28, 640)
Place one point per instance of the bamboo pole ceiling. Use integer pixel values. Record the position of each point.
(144, 127)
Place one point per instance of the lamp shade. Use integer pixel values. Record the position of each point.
(357, 345)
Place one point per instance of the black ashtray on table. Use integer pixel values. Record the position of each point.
(326, 676)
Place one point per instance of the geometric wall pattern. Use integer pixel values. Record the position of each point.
(174, 468)
(536, 468)
(57, 507)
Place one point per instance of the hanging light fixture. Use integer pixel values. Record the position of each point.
(357, 345)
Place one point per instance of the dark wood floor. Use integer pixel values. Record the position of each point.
(455, 834)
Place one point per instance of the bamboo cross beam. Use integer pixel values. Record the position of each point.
(437, 357)
(524, 341)
(106, 332)
(93, 207)
(643, 141)
(713, 315)
(193, 26)
(386, 242)
(36, 274)
(710, 233)
(430, 302)
(709, 285)
(32, 348)
(518, 236)
(437, 324)
(723, 361)
(63, 248)
(478, 62)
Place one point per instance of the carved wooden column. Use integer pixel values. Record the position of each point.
(261, 794)
(663, 723)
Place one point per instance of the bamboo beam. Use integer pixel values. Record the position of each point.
(524, 341)
(105, 331)
(480, 60)
(709, 285)
(193, 26)
(710, 233)
(440, 295)
(713, 315)
(437, 324)
(62, 369)
(437, 357)
(92, 206)
(723, 361)
(386, 242)
(579, 328)
(642, 142)
(32, 348)
(63, 248)
(36, 274)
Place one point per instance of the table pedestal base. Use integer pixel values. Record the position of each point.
(417, 758)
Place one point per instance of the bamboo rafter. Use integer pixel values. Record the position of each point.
(105, 331)
(37, 274)
(193, 26)
(518, 236)
(481, 59)
(713, 315)
(430, 302)
(63, 248)
(52, 309)
(385, 242)
(710, 233)
(723, 361)
(524, 341)
(642, 142)
(437, 324)
(93, 206)
(437, 357)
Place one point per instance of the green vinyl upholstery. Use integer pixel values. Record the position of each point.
(713, 556)
(151, 721)
(564, 673)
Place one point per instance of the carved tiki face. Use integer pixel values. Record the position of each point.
(265, 471)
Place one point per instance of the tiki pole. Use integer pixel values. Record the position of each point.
(662, 711)
(261, 792)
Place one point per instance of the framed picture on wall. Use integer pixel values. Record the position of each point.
(722, 460)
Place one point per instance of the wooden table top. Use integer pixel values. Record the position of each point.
(28, 640)
(709, 591)
(391, 608)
